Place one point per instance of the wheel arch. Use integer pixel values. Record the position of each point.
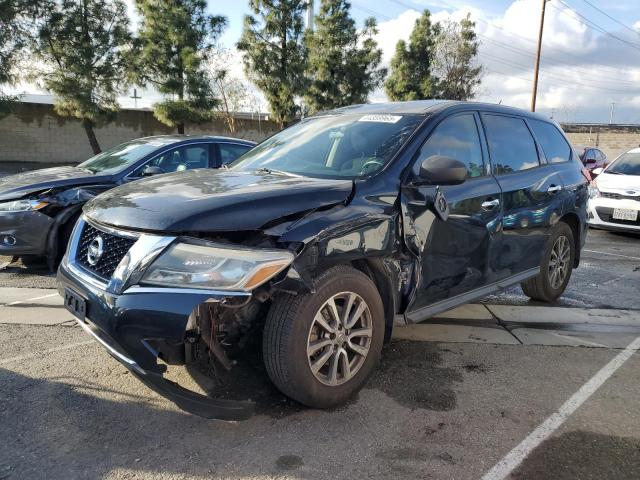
(573, 221)
(374, 268)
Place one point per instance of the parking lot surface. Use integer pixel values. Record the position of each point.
(432, 410)
(452, 398)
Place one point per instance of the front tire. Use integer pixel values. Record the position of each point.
(320, 348)
(556, 268)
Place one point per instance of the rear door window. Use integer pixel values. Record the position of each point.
(511, 145)
(555, 147)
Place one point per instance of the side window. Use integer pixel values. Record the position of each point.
(553, 144)
(511, 145)
(183, 158)
(456, 137)
(177, 160)
(231, 151)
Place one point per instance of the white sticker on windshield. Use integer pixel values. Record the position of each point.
(381, 118)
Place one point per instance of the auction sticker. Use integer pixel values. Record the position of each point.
(380, 118)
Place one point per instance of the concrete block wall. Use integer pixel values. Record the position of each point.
(35, 134)
(611, 139)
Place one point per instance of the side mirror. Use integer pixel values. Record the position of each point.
(597, 171)
(441, 170)
(151, 170)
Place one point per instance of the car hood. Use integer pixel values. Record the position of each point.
(608, 181)
(21, 184)
(213, 201)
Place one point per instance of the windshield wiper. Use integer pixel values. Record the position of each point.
(272, 171)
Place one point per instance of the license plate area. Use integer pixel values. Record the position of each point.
(625, 214)
(75, 304)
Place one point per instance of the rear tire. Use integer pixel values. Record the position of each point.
(320, 355)
(556, 267)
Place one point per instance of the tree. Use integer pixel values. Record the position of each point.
(232, 93)
(274, 53)
(343, 63)
(410, 77)
(456, 48)
(84, 44)
(176, 38)
(17, 21)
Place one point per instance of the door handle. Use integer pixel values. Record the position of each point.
(490, 204)
(554, 188)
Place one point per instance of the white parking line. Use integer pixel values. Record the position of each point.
(18, 302)
(612, 254)
(45, 352)
(515, 457)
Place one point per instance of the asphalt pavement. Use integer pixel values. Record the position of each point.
(500, 389)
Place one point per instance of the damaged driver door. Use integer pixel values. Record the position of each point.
(451, 229)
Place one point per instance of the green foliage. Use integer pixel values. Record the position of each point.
(410, 77)
(84, 44)
(343, 63)
(18, 19)
(456, 47)
(176, 38)
(274, 53)
(438, 62)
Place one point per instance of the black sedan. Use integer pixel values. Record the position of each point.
(39, 208)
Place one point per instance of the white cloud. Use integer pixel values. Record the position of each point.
(581, 73)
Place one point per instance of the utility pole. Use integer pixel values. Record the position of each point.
(613, 104)
(534, 94)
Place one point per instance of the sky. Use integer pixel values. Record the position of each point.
(590, 51)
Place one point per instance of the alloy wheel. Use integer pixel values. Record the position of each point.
(339, 339)
(559, 262)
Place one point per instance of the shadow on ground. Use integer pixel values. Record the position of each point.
(583, 455)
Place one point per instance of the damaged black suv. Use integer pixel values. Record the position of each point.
(322, 238)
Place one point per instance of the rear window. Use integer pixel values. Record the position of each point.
(555, 147)
(510, 144)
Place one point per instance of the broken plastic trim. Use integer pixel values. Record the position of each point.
(185, 399)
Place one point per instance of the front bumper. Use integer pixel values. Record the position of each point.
(601, 211)
(135, 325)
(27, 231)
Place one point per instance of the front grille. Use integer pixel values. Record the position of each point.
(114, 249)
(618, 196)
(606, 215)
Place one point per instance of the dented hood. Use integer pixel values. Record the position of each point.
(22, 184)
(213, 200)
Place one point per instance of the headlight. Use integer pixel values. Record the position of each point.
(593, 191)
(217, 267)
(22, 205)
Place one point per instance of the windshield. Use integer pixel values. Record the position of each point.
(120, 157)
(626, 164)
(344, 146)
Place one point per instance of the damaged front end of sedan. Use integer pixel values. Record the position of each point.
(39, 223)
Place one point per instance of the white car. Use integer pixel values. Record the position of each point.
(614, 202)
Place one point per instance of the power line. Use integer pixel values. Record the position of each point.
(549, 77)
(547, 58)
(610, 17)
(594, 26)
